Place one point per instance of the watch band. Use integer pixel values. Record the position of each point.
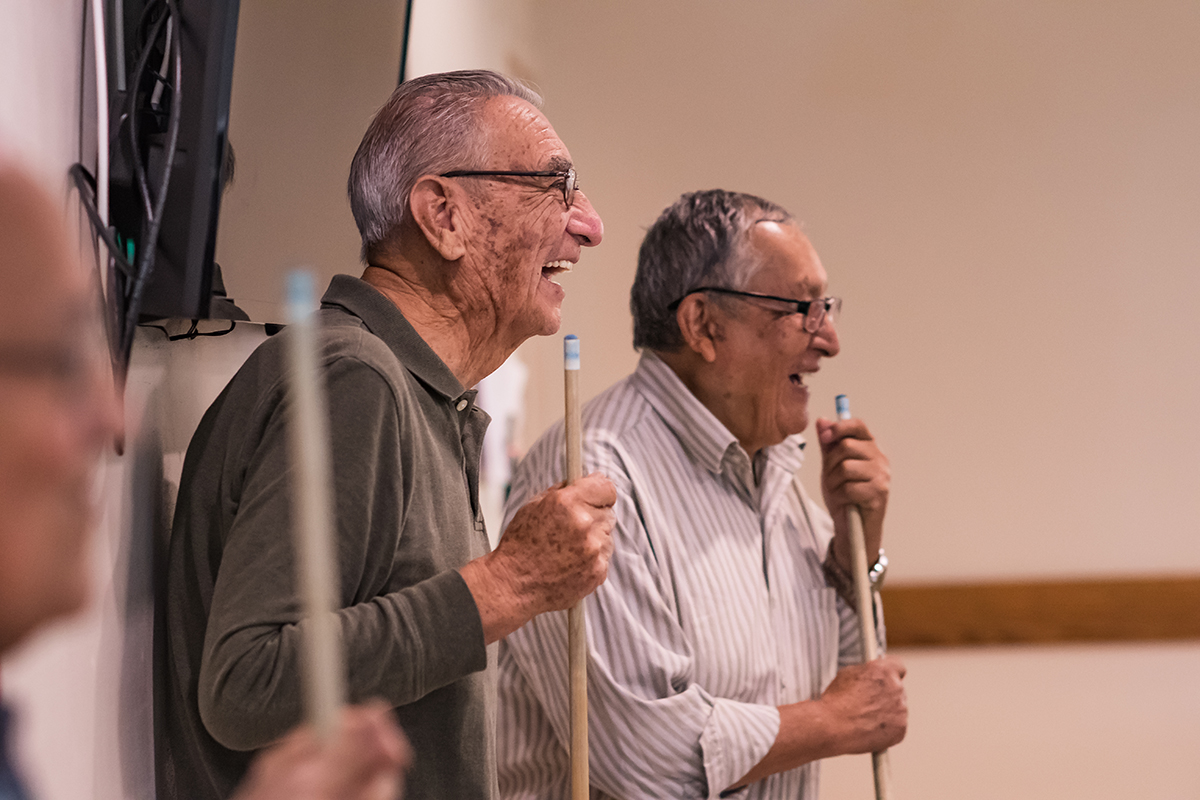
(843, 583)
(878, 570)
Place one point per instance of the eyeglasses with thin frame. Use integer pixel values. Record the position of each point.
(566, 177)
(814, 311)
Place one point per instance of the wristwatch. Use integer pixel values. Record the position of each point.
(843, 582)
(878, 571)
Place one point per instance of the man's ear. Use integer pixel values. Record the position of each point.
(700, 328)
(435, 208)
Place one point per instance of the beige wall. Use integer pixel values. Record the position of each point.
(39, 84)
(469, 34)
(1006, 195)
(308, 76)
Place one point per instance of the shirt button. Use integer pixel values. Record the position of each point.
(461, 405)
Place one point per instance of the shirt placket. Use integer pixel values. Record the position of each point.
(788, 638)
(738, 474)
(471, 439)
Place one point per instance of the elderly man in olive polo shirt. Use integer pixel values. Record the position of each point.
(468, 208)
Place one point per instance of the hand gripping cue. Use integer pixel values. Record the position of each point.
(866, 611)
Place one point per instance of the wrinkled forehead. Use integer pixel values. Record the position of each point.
(518, 136)
(786, 257)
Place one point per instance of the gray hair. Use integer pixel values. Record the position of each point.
(700, 240)
(429, 125)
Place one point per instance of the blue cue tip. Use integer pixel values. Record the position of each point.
(571, 351)
(843, 406)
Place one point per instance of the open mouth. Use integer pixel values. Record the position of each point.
(797, 379)
(555, 268)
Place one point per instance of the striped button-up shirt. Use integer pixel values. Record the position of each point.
(715, 611)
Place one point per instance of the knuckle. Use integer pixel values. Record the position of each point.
(581, 520)
(564, 497)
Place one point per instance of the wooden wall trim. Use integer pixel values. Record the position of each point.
(1111, 610)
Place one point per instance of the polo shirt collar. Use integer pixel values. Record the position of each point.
(382, 318)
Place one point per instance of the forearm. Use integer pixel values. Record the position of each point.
(862, 711)
(807, 732)
(502, 607)
(399, 646)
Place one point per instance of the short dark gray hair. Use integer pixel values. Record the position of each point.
(429, 125)
(698, 241)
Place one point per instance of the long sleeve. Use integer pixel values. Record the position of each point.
(400, 644)
(405, 442)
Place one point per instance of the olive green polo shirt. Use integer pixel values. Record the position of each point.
(405, 444)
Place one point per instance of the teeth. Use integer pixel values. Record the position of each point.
(563, 266)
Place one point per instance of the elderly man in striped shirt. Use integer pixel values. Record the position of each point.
(723, 649)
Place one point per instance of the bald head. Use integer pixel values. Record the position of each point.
(57, 412)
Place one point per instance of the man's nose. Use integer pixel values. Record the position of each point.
(826, 338)
(585, 224)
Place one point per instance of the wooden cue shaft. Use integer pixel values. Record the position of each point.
(866, 613)
(312, 517)
(866, 622)
(576, 623)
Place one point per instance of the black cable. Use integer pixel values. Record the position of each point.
(84, 181)
(226, 332)
(404, 42)
(149, 243)
(88, 203)
(140, 28)
(139, 168)
(83, 48)
(192, 332)
(117, 116)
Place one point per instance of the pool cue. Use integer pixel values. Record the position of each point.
(576, 623)
(312, 517)
(866, 611)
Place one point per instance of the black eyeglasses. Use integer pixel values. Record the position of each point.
(814, 311)
(566, 178)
